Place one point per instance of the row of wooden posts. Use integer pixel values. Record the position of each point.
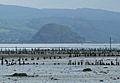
(57, 50)
(96, 62)
(71, 52)
(22, 61)
(59, 53)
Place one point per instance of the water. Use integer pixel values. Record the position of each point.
(85, 45)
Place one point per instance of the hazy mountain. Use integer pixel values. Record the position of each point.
(55, 33)
(20, 24)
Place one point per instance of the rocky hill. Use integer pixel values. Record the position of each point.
(55, 33)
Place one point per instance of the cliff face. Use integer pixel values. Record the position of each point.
(55, 33)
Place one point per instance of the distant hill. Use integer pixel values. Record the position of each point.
(94, 25)
(20, 24)
(55, 33)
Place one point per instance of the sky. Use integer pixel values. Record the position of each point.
(112, 5)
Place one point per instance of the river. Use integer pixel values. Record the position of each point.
(85, 45)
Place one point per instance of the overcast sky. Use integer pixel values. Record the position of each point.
(113, 5)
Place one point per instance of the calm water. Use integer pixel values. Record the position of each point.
(86, 45)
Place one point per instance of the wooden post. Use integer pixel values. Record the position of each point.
(110, 44)
(2, 61)
(19, 61)
(81, 62)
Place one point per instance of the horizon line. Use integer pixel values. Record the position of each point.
(60, 8)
